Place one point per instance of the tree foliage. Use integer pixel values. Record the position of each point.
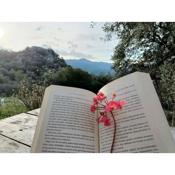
(30, 63)
(69, 76)
(148, 47)
(11, 106)
(142, 45)
(31, 94)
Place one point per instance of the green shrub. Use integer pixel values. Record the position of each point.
(11, 106)
(30, 94)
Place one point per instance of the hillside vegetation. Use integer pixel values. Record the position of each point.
(31, 63)
(24, 76)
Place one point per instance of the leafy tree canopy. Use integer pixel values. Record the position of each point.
(148, 47)
(142, 46)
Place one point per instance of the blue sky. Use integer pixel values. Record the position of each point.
(71, 40)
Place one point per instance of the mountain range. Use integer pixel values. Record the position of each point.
(33, 63)
(92, 67)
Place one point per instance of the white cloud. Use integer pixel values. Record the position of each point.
(75, 55)
(71, 39)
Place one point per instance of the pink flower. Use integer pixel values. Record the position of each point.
(122, 103)
(99, 97)
(95, 100)
(103, 106)
(93, 108)
(114, 105)
(107, 122)
(102, 113)
(104, 120)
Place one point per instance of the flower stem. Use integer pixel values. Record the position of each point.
(113, 141)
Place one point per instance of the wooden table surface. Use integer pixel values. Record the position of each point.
(16, 132)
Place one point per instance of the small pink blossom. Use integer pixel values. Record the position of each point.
(122, 103)
(114, 105)
(93, 108)
(105, 120)
(99, 97)
(102, 113)
(95, 100)
(103, 106)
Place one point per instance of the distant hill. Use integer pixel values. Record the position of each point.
(31, 62)
(91, 66)
(34, 63)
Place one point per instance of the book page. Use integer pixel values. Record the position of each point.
(141, 124)
(65, 122)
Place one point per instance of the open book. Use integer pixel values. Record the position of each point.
(66, 124)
